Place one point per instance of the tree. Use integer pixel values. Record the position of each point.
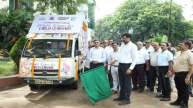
(148, 18)
(13, 25)
(59, 6)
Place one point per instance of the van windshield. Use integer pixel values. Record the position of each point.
(48, 48)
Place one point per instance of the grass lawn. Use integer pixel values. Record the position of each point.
(7, 68)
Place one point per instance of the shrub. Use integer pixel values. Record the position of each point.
(15, 52)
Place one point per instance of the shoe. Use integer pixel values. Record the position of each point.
(117, 99)
(184, 106)
(124, 102)
(176, 103)
(165, 99)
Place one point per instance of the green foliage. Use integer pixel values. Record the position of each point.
(159, 38)
(59, 6)
(7, 68)
(13, 25)
(15, 52)
(148, 18)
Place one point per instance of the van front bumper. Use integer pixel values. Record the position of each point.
(46, 81)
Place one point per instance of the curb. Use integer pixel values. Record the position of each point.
(10, 82)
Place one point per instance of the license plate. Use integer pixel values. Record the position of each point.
(39, 81)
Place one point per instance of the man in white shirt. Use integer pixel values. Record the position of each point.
(114, 67)
(148, 47)
(153, 73)
(165, 62)
(87, 57)
(127, 61)
(97, 55)
(108, 50)
(139, 70)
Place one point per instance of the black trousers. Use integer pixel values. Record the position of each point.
(153, 76)
(165, 81)
(147, 79)
(125, 82)
(182, 87)
(138, 76)
(92, 65)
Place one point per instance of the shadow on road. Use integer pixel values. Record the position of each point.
(59, 96)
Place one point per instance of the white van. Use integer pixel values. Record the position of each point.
(52, 57)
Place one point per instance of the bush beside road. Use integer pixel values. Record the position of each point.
(7, 67)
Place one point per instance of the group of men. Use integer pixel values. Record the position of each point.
(135, 66)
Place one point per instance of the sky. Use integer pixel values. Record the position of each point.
(106, 7)
(187, 8)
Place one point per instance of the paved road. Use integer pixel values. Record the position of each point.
(22, 97)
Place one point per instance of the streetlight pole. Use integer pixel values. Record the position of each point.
(169, 22)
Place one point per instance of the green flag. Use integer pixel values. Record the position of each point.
(96, 84)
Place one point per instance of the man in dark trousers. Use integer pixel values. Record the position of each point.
(127, 60)
(153, 73)
(138, 75)
(165, 62)
(183, 68)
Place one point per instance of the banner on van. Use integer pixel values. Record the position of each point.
(57, 24)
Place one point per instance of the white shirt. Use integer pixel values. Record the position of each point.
(128, 54)
(154, 57)
(164, 58)
(97, 54)
(108, 51)
(114, 56)
(149, 50)
(143, 56)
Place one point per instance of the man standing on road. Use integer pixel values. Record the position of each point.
(114, 67)
(148, 47)
(183, 67)
(127, 61)
(139, 70)
(97, 55)
(165, 63)
(108, 50)
(153, 73)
